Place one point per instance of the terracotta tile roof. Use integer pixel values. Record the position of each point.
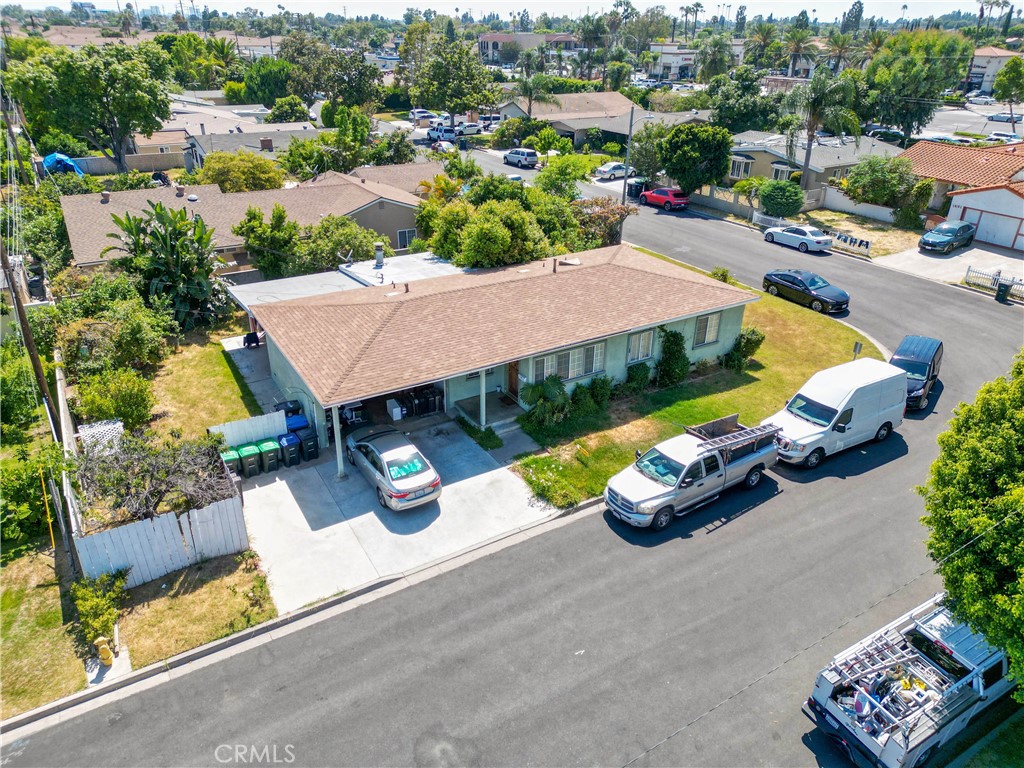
(991, 50)
(88, 217)
(970, 166)
(345, 345)
(406, 176)
(1016, 187)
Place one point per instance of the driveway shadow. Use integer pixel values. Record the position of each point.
(408, 521)
(849, 463)
(731, 505)
(933, 397)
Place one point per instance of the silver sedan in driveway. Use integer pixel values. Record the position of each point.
(401, 475)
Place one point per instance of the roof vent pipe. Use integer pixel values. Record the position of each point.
(406, 287)
(554, 265)
(105, 196)
(378, 255)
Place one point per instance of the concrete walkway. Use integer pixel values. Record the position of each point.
(254, 365)
(952, 268)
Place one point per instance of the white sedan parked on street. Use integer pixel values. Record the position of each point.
(613, 171)
(803, 239)
(986, 100)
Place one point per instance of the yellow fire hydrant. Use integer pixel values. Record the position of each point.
(103, 649)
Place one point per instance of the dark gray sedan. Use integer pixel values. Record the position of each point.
(807, 288)
(401, 475)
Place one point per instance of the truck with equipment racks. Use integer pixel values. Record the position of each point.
(690, 470)
(893, 699)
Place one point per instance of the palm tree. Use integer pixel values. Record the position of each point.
(840, 49)
(874, 42)
(224, 50)
(531, 61)
(761, 36)
(797, 43)
(824, 102)
(697, 10)
(590, 30)
(534, 91)
(686, 10)
(714, 57)
(560, 61)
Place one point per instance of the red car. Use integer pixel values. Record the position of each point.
(668, 199)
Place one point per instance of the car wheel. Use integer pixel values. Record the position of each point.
(948, 248)
(667, 206)
(520, 163)
(802, 247)
(883, 432)
(643, 199)
(348, 455)
(504, 160)
(769, 237)
(663, 519)
(380, 498)
(773, 291)
(816, 457)
(817, 306)
(969, 241)
(753, 478)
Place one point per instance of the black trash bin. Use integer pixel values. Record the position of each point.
(635, 186)
(309, 443)
(463, 145)
(290, 407)
(1003, 291)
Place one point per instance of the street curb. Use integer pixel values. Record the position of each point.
(965, 757)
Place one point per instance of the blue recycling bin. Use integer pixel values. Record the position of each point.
(289, 448)
(296, 422)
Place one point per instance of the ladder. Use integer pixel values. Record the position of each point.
(736, 438)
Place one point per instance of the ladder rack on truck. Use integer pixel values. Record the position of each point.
(729, 436)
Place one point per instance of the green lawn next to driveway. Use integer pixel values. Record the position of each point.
(798, 343)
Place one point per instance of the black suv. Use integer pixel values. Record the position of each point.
(921, 358)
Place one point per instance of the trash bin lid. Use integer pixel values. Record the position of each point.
(306, 434)
(270, 444)
(295, 423)
(287, 439)
(288, 405)
(229, 455)
(249, 449)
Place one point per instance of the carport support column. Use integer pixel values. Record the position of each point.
(483, 397)
(338, 447)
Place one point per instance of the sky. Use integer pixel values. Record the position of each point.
(824, 10)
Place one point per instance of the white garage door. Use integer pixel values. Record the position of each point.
(997, 229)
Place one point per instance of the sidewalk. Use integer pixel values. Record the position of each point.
(952, 268)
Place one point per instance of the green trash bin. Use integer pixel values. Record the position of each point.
(270, 454)
(231, 460)
(249, 456)
(1003, 291)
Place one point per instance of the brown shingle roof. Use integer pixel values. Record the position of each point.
(970, 166)
(604, 104)
(88, 217)
(406, 176)
(357, 344)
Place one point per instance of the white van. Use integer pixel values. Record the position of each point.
(839, 408)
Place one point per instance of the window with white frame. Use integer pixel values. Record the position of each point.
(476, 374)
(781, 171)
(707, 329)
(571, 364)
(640, 346)
(405, 237)
(740, 168)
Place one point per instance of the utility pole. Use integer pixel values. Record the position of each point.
(30, 343)
(26, 178)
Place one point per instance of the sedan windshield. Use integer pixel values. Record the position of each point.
(406, 466)
(945, 229)
(815, 282)
(808, 410)
(916, 371)
(660, 467)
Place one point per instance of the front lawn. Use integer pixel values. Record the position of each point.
(198, 386)
(194, 606)
(38, 662)
(798, 343)
(885, 238)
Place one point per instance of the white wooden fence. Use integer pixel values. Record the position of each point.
(153, 548)
(252, 429)
(991, 280)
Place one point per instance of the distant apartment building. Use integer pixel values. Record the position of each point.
(500, 47)
(985, 65)
(673, 61)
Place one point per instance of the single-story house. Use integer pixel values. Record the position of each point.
(160, 143)
(489, 333)
(406, 176)
(997, 211)
(955, 167)
(267, 139)
(390, 212)
(616, 127)
(758, 153)
(571, 106)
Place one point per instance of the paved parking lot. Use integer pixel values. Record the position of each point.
(317, 535)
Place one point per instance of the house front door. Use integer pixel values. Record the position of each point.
(513, 379)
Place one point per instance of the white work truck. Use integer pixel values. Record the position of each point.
(893, 699)
(690, 470)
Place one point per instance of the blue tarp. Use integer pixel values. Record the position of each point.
(58, 163)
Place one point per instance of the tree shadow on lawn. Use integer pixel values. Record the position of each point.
(730, 506)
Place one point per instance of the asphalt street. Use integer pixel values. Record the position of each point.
(973, 118)
(595, 644)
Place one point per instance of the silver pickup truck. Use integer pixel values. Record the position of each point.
(690, 470)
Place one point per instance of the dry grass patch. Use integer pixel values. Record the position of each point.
(885, 238)
(38, 660)
(198, 385)
(194, 606)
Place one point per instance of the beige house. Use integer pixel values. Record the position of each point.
(985, 65)
(954, 167)
(161, 142)
(757, 153)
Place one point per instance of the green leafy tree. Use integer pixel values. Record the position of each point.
(394, 148)
(561, 176)
(452, 78)
(413, 53)
(825, 102)
(713, 58)
(58, 141)
(173, 253)
(272, 244)
(696, 155)
(738, 104)
(17, 384)
(324, 246)
(973, 500)
(909, 73)
(1009, 84)
(341, 149)
(241, 171)
(124, 182)
(619, 74)
(120, 394)
(601, 220)
(762, 35)
(101, 95)
(352, 81)
(266, 80)
(880, 180)
(548, 140)
(524, 242)
(557, 220)
(446, 241)
(781, 198)
(645, 154)
(288, 109)
(235, 93)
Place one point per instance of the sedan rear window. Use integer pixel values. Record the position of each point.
(406, 466)
(816, 233)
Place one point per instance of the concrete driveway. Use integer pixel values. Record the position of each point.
(952, 268)
(317, 535)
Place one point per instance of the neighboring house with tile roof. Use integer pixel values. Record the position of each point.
(388, 211)
(954, 167)
(489, 333)
(985, 65)
(997, 210)
(757, 153)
